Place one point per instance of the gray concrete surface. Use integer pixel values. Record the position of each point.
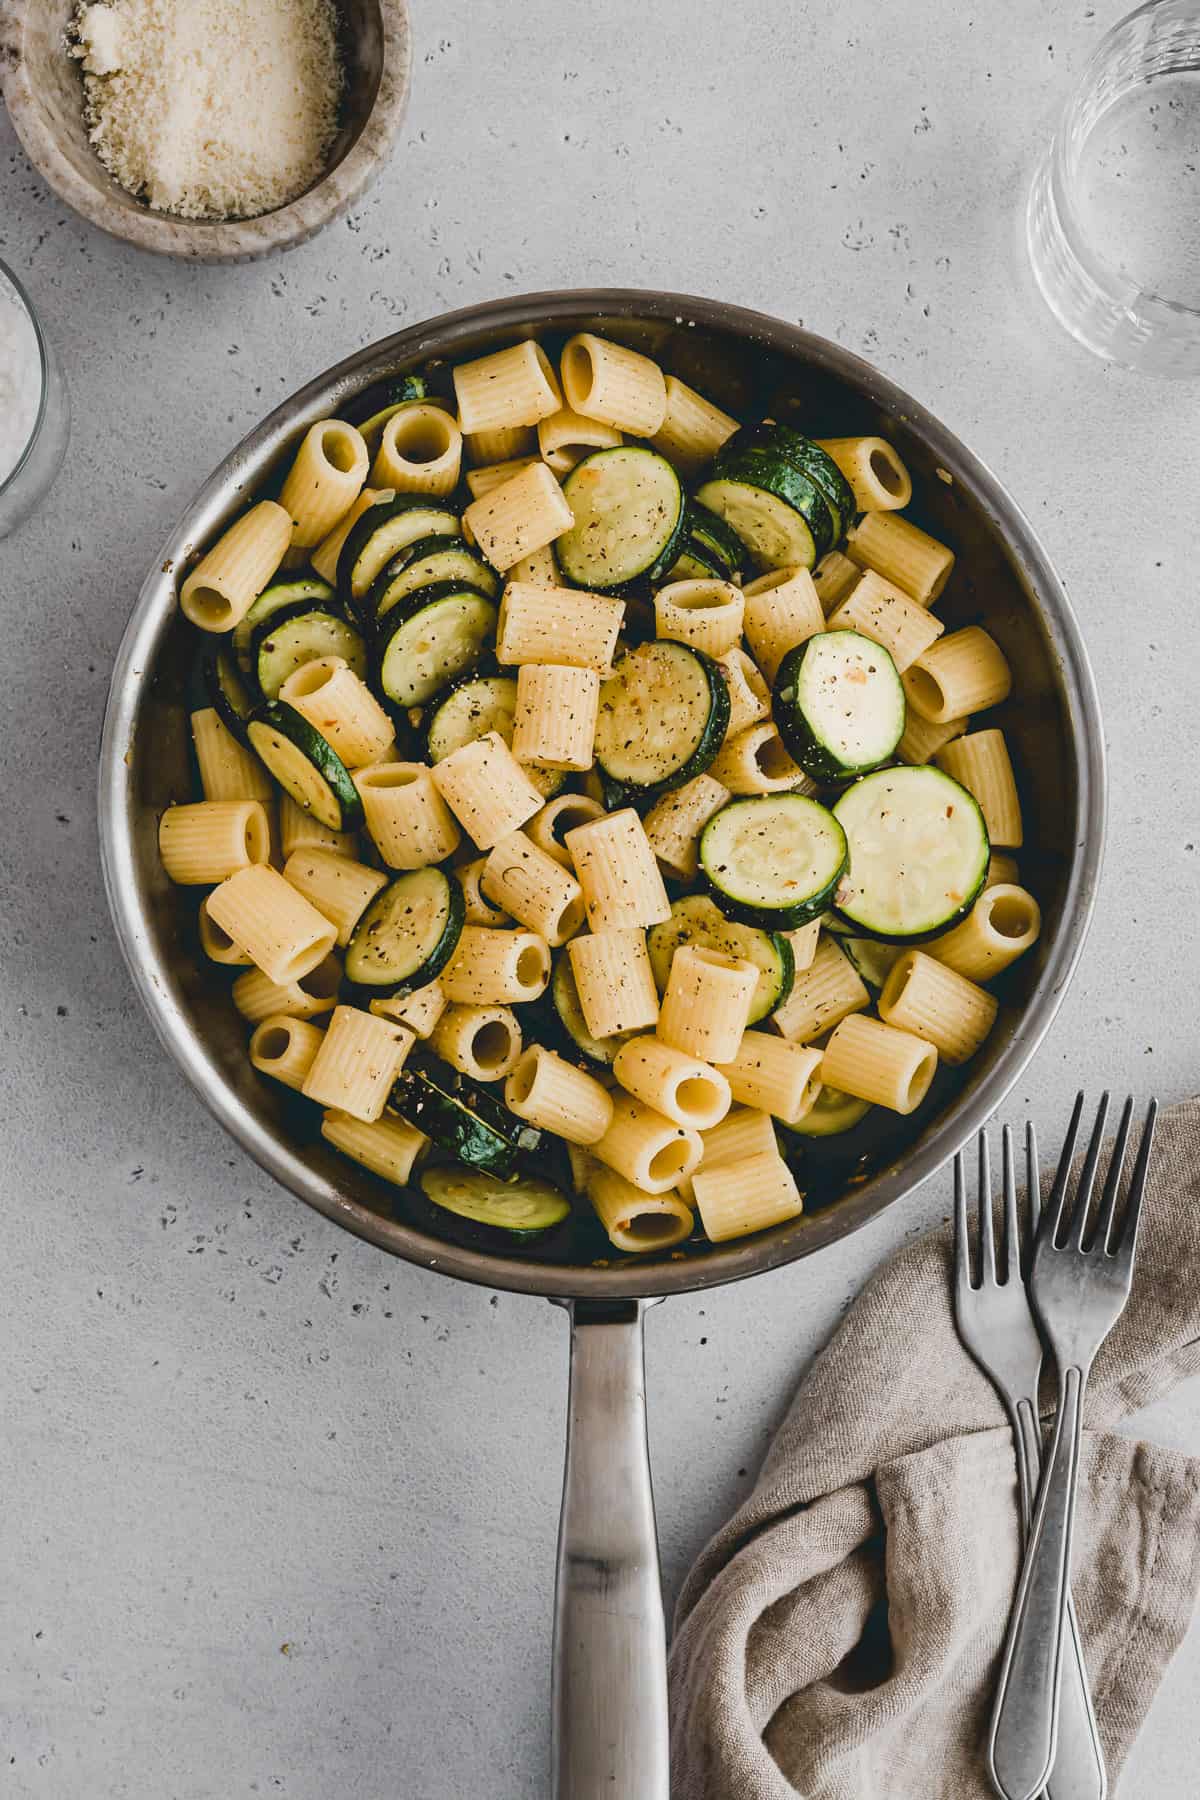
(276, 1515)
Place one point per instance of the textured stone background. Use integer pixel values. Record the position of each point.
(278, 1515)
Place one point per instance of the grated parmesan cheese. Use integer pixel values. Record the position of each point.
(211, 109)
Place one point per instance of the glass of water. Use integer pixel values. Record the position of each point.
(35, 412)
(1114, 213)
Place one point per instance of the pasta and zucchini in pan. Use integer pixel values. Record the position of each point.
(596, 819)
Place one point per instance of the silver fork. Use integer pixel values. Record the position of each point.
(1080, 1282)
(997, 1328)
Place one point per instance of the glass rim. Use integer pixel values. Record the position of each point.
(7, 274)
(1103, 274)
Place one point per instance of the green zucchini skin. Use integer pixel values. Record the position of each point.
(279, 596)
(463, 1119)
(395, 675)
(320, 753)
(623, 722)
(353, 585)
(809, 458)
(381, 395)
(777, 475)
(323, 625)
(713, 537)
(459, 1203)
(904, 789)
(602, 551)
(227, 690)
(793, 709)
(364, 957)
(402, 576)
(759, 814)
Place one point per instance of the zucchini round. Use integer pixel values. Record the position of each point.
(918, 849)
(663, 715)
(831, 1112)
(872, 959)
(807, 456)
(408, 933)
(695, 919)
(429, 559)
(227, 691)
(371, 410)
(272, 600)
(630, 516)
(713, 537)
(838, 704)
(438, 635)
(293, 636)
(512, 1212)
(773, 860)
(305, 765)
(779, 512)
(463, 1119)
(379, 534)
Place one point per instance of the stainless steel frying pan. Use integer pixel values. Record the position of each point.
(609, 1659)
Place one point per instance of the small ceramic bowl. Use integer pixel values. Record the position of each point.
(43, 89)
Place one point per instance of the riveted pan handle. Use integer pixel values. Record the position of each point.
(610, 1659)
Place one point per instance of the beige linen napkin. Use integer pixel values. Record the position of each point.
(839, 1637)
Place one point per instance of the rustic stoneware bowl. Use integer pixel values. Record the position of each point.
(43, 89)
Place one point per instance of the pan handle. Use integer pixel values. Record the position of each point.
(610, 1655)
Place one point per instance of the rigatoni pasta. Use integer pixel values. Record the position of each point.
(556, 1096)
(674, 823)
(540, 624)
(693, 428)
(822, 994)
(389, 1146)
(227, 769)
(338, 887)
(962, 673)
(637, 1222)
(878, 478)
(208, 840)
(506, 389)
(734, 1200)
(554, 724)
(496, 968)
(901, 552)
(651, 1151)
(607, 381)
(980, 760)
(782, 610)
(774, 1075)
(1003, 924)
(519, 516)
(706, 1006)
(617, 872)
(707, 614)
(534, 888)
(226, 582)
(420, 451)
(357, 1063)
(486, 789)
(878, 610)
(280, 930)
(340, 705)
(681, 1087)
(481, 1041)
(933, 1002)
(614, 980)
(285, 1048)
(566, 437)
(878, 1063)
(324, 481)
(406, 817)
(309, 996)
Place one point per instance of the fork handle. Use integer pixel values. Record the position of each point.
(1079, 1772)
(1025, 1720)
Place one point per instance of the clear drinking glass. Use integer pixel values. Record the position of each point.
(35, 411)
(1114, 212)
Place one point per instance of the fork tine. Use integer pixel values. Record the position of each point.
(987, 1230)
(1127, 1242)
(1033, 1178)
(962, 1236)
(1112, 1181)
(1077, 1224)
(1052, 1218)
(1012, 1223)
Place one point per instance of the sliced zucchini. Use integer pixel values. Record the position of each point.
(286, 640)
(518, 1211)
(663, 714)
(371, 410)
(379, 534)
(711, 536)
(630, 518)
(469, 711)
(697, 564)
(773, 860)
(408, 933)
(779, 512)
(438, 634)
(831, 1112)
(436, 558)
(697, 920)
(461, 1117)
(227, 690)
(839, 705)
(564, 997)
(272, 600)
(305, 765)
(918, 852)
(807, 456)
(872, 959)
